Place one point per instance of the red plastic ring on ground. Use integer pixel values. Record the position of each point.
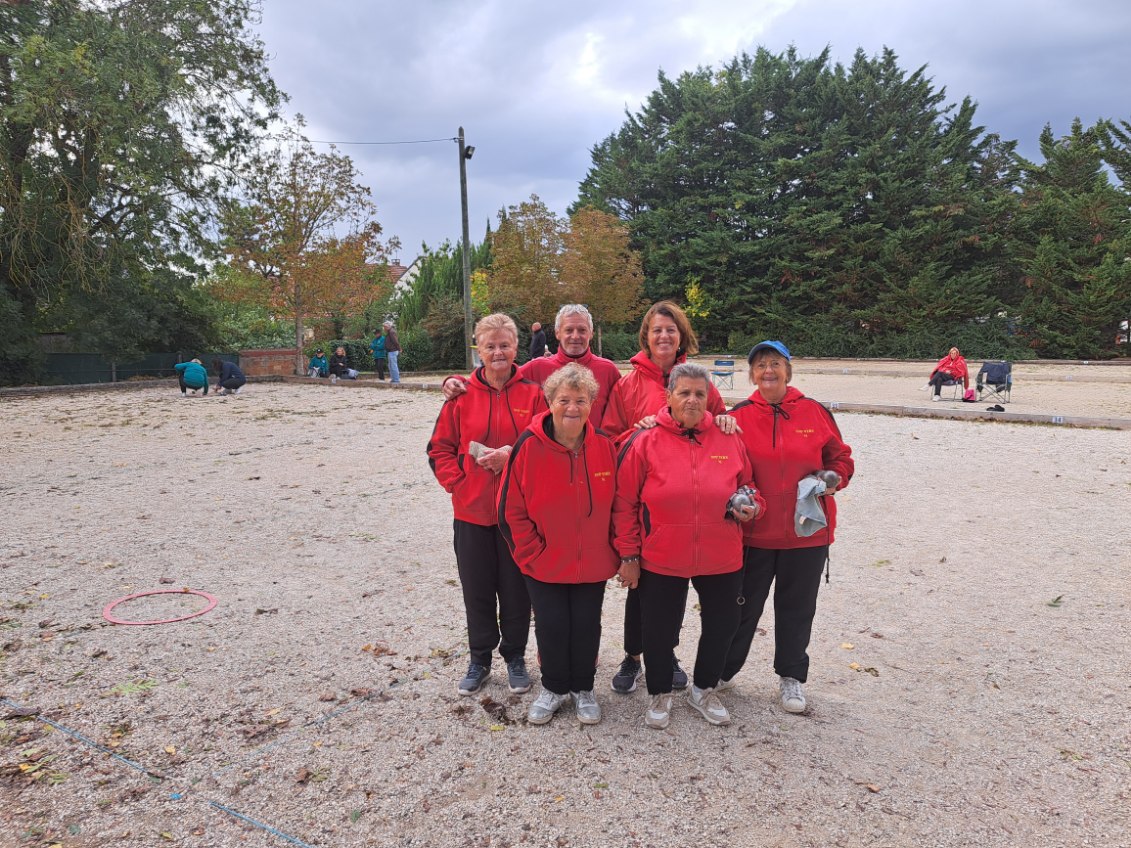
(106, 613)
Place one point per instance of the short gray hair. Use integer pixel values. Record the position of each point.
(572, 309)
(572, 376)
(688, 371)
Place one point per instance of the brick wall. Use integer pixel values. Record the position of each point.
(263, 363)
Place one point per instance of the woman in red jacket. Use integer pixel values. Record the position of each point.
(951, 367)
(674, 525)
(790, 439)
(554, 512)
(666, 340)
(468, 451)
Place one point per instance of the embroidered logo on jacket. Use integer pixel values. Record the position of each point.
(602, 474)
(720, 458)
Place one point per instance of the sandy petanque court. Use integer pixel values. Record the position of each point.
(970, 677)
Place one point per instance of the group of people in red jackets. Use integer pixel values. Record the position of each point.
(564, 474)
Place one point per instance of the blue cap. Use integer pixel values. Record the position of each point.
(769, 345)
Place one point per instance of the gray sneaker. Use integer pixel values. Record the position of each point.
(473, 681)
(792, 695)
(544, 707)
(517, 678)
(588, 710)
(659, 712)
(724, 685)
(709, 705)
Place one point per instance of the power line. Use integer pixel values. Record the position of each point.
(417, 141)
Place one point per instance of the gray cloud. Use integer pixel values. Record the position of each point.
(537, 85)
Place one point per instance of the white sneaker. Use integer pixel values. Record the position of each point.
(709, 705)
(937, 398)
(544, 707)
(792, 695)
(588, 710)
(724, 685)
(659, 712)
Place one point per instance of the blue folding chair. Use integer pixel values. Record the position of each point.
(723, 373)
(995, 380)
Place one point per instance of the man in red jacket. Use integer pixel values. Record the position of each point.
(573, 329)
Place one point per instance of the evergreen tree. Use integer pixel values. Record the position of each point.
(847, 208)
(1071, 242)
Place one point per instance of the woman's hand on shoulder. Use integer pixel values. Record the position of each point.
(646, 423)
(728, 424)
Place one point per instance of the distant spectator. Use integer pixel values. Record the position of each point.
(229, 377)
(950, 369)
(393, 351)
(318, 366)
(380, 356)
(192, 375)
(537, 341)
(339, 367)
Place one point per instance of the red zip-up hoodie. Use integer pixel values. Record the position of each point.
(643, 392)
(555, 506)
(490, 417)
(788, 441)
(605, 370)
(672, 491)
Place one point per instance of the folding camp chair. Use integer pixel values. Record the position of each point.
(995, 380)
(723, 373)
(956, 385)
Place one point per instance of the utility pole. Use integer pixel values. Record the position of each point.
(465, 153)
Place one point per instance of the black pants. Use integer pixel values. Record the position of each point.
(939, 378)
(185, 386)
(379, 365)
(567, 622)
(633, 629)
(494, 594)
(796, 576)
(233, 383)
(662, 601)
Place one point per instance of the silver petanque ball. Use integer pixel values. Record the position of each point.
(740, 499)
(830, 478)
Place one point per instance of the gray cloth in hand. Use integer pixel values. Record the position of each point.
(810, 515)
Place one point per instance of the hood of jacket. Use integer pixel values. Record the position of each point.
(643, 363)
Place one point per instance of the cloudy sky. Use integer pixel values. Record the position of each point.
(536, 84)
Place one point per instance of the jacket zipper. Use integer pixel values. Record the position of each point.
(695, 506)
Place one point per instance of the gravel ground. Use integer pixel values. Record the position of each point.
(969, 680)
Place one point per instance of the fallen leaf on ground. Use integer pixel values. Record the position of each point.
(848, 646)
(380, 649)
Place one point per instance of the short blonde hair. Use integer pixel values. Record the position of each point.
(572, 376)
(496, 321)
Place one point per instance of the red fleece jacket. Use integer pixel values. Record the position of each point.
(555, 506)
(490, 417)
(672, 491)
(643, 392)
(786, 442)
(605, 370)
